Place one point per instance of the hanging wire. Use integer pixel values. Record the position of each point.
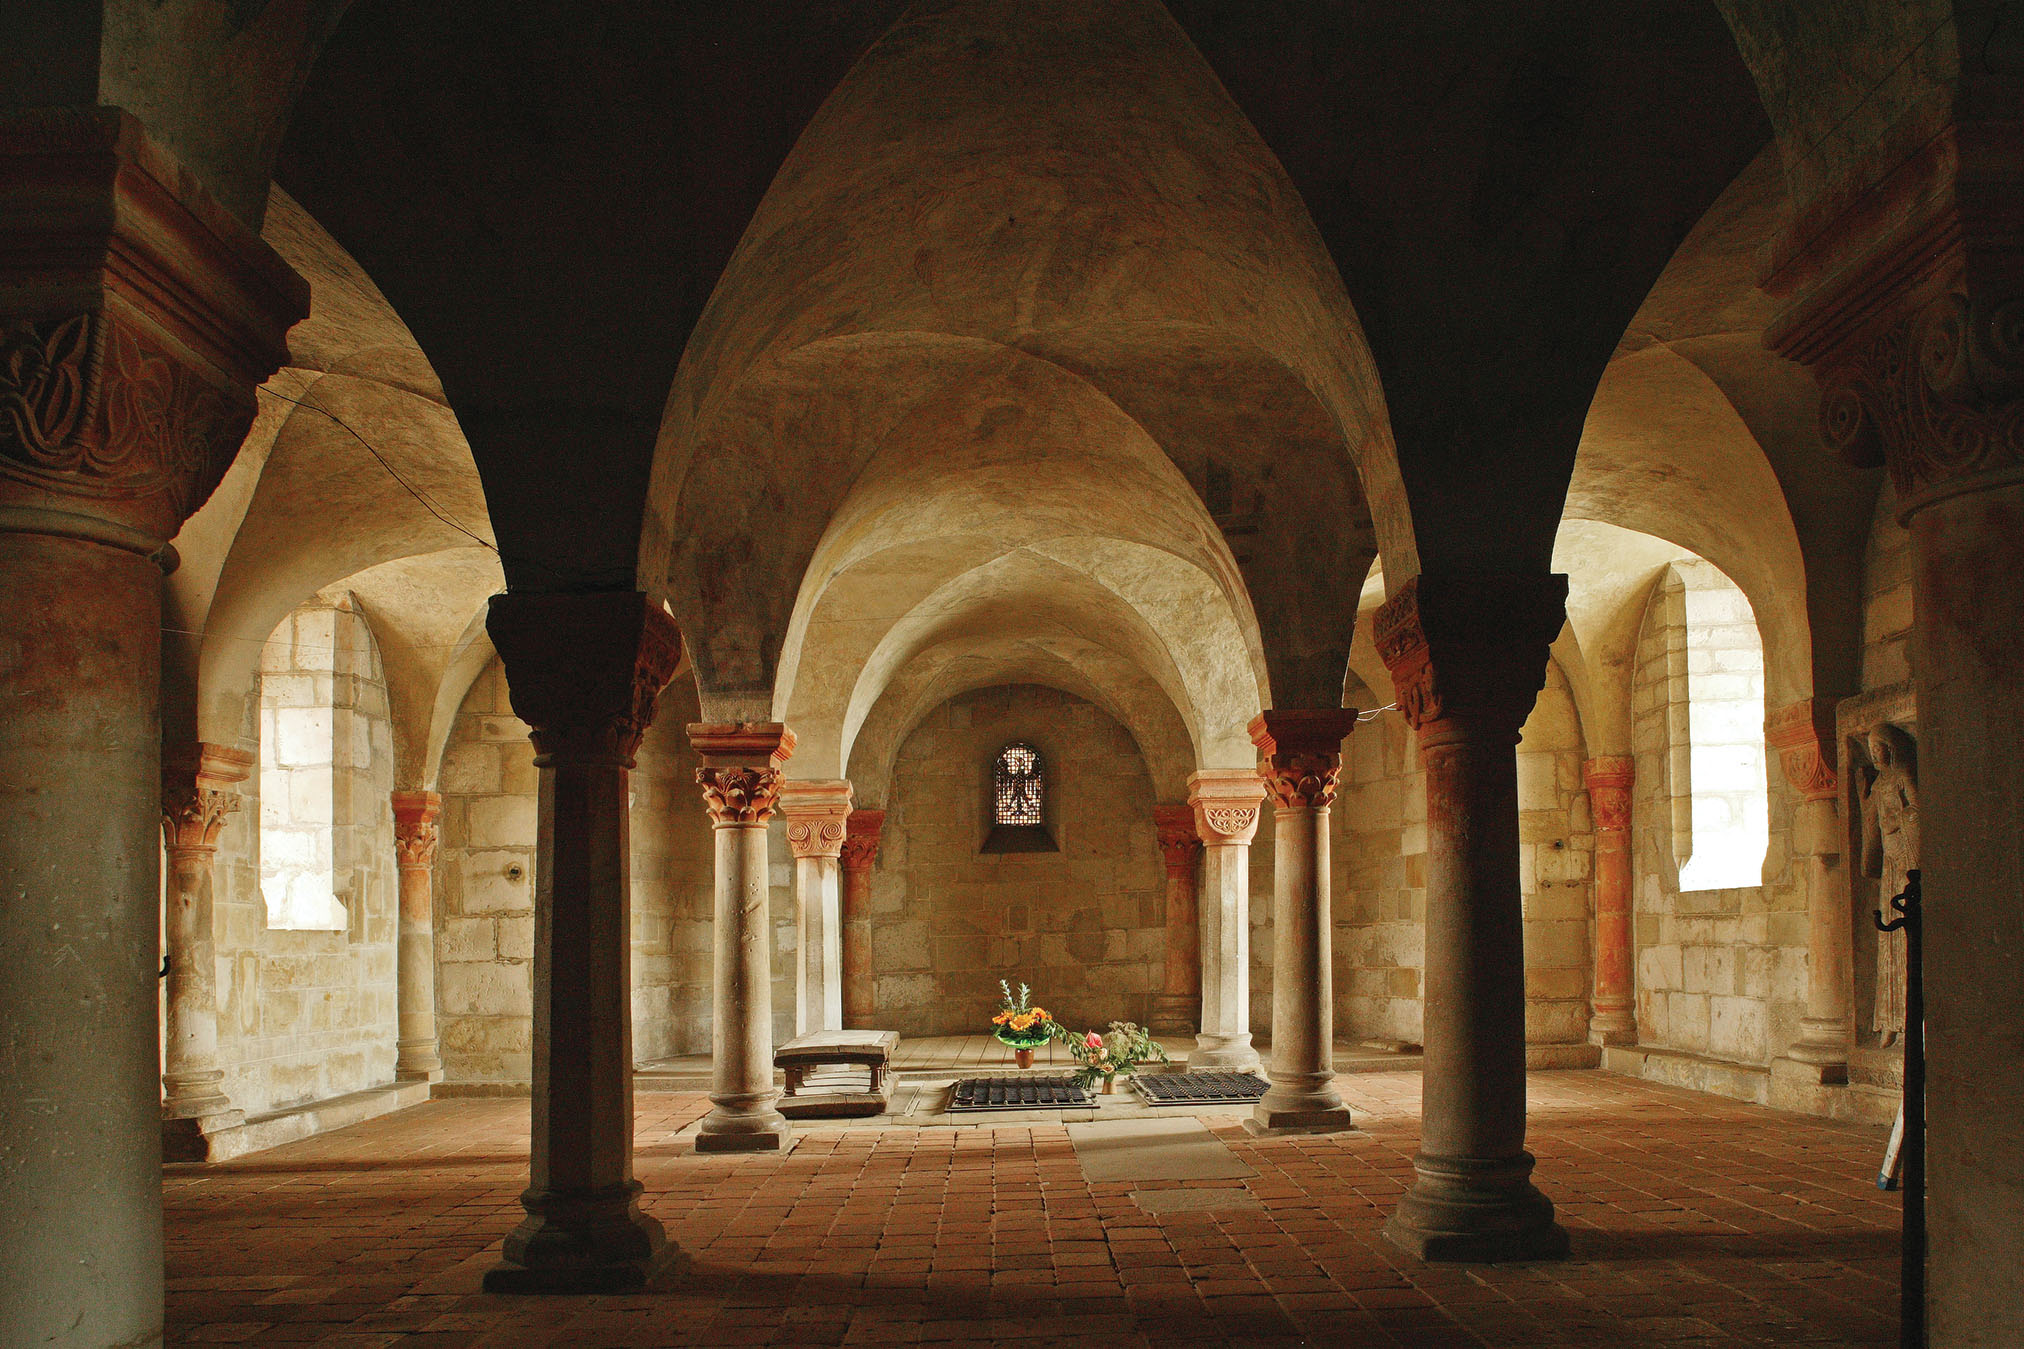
(1376, 712)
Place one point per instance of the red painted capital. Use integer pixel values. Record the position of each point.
(415, 830)
(1610, 779)
(1300, 753)
(741, 776)
(860, 839)
(198, 792)
(138, 320)
(1467, 651)
(1803, 735)
(583, 671)
(1180, 845)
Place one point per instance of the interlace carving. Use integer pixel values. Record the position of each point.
(740, 795)
(1936, 397)
(815, 836)
(90, 407)
(1231, 821)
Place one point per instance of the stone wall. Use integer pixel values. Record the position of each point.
(1556, 847)
(308, 1013)
(1720, 973)
(485, 890)
(1084, 925)
(1887, 599)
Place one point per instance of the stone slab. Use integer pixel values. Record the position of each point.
(1153, 1149)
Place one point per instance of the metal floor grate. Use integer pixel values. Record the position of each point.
(1018, 1093)
(1199, 1088)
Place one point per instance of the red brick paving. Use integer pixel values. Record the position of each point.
(1696, 1221)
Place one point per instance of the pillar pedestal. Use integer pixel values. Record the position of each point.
(137, 320)
(1804, 737)
(741, 781)
(1177, 1007)
(1467, 654)
(1612, 1017)
(417, 1058)
(860, 852)
(583, 671)
(197, 795)
(1225, 803)
(816, 813)
(1301, 756)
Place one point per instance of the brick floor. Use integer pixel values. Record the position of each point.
(1696, 1221)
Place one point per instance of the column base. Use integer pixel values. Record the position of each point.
(186, 1138)
(1175, 1014)
(1300, 1107)
(593, 1242)
(1605, 1028)
(744, 1124)
(418, 1065)
(1823, 1049)
(1221, 1053)
(1476, 1210)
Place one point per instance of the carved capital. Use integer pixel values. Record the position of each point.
(1467, 651)
(741, 776)
(816, 814)
(1300, 754)
(1610, 779)
(860, 839)
(1935, 397)
(415, 830)
(1180, 845)
(198, 793)
(1225, 802)
(139, 318)
(584, 671)
(1803, 735)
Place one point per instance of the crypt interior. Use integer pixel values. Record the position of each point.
(1449, 556)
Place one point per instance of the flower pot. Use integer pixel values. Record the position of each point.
(1023, 1057)
(1109, 1084)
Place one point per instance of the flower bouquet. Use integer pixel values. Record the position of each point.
(1105, 1057)
(1020, 1025)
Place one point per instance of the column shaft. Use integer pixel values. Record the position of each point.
(1302, 755)
(816, 813)
(741, 783)
(1177, 1010)
(415, 836)
(1804, 736)
(583, 672)
(1468, 655)
(860, 851)
(1613, 1014)
(1225, 803)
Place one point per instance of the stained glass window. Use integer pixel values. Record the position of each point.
(1018, 783)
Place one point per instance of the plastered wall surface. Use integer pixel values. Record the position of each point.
(1084, 926)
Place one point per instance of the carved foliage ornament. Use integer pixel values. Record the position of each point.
(1936, 397)
(415, 842)
(90, 407)
(1803, 735)
(740, 795)
(193, 815)
(1301, 779)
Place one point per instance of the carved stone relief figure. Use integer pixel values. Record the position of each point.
(1890, 850)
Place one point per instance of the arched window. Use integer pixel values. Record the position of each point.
(1019, 785)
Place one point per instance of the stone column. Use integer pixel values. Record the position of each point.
(1301, 751)
(1225, 802)
(197, 795)
(1467, 654)
(1177, 1010)
(815, 814)
(583, 671)
(1926, 375)
(137, 320)
(741, 782)
(860, 851)
(1804, 736)
(415, 837)
(1612, 1017)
